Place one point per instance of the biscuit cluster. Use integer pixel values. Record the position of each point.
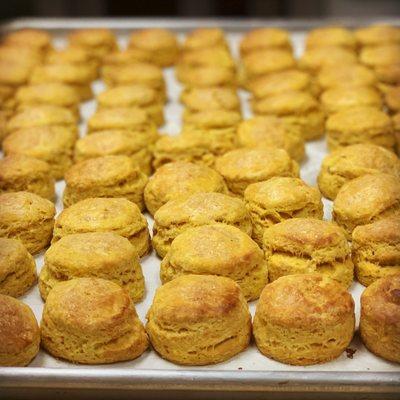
(233, 220)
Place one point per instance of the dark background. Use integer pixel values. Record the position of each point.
(193, 8)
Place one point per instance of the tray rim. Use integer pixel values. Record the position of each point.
(201, 380)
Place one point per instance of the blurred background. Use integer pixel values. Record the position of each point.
(195, 8)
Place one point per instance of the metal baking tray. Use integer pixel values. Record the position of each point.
(248, 375)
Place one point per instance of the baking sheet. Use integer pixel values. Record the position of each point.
(336, 372)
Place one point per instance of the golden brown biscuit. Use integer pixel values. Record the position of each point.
(36, 39)
(204, 37)
(127, 57)
(199, 320)
(116, 215)
(353, 161)
(4, 116)
(359, 125)
(53, 144)
(305, 246)
(331, 36)
(342, 98)
(211, 119)
(17, 268)
(175, 216)
(25, 55)
(377, 34)
(27, 217)
(380, 315)
(242, 167)
(280, 198)
(180, 179)
(312, 323)
(366, 199)
(93, 255)
(22, 173)
(160, 44)
(19, 333)
(392, 99)
(91, 321)
(299, 109)
(72, 55)
(107, 176)
(271, 132)
(136, 145)
(14, 73)
(264, 38)
(208, 56)
(376, 250)
(388, 74)
(376, 56)
(135, 96)
(7, 100)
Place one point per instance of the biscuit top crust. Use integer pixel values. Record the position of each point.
(24, 208)
(269, 60)
(214, 119)
(69, 55)
(287, 103)
(18, 166)
(105, 214)
(35, 38)
(191, 299)
(201, 99)
(385, 230)
(242, 164)
(24, 55)
(75, 74)
(387, 54)
(90, 252)
(14, 73)
(153, 39)
(204, 37)
(367, 196)
(359, 119)
(346, 97)
(92, 37)
(124, 95)
(381, 301)
(378, 34)
(305, 301)
(89, 306)
(306, 236)
(360, 159)
(18, 326)
(209, 56)
(201, 208)
(207, 76)
(102, 171)
(318, 57)
(262, 38)
(12, 254)
(137, 72)
(331, 36)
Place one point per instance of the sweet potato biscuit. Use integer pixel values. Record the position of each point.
(27, 217)
(14, 73)
(204, 37)
(392, 99)
(376, 56)
(72, 55)
(91, 321)
(107, 176)
(199, 320)
(19, 333)
(211, 119)
(388, 74)
(353, 161)
(93, 255)
(265, 38)
(199, 209)
(331, 36)
(36, 39)
(312, 323)
(116, 215)
(180, 179)
(377, 34)
(127, 57)
(242, 167)
(25, 55)
(366, 199)
(278, 199)
(17, 268)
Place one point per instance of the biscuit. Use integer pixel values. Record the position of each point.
(117, 215)
(22, 173)
(392, 99)
(377, 34)
(180, 179)
(93, 255)
(72, 55)
(331, 36)
(53, 144)
(136, 145)
(108, 176)
(14, 73)
(359, 125)
(366, 199)
(376, 56)
(217, 249)
(24, 55)
(17, 268)
(204, 37)
(27, 217)
(299, 109)
(389, 74)
(242, 167)
(312, 323)
(380, 315)
(159, 44)
(353, 161)
(271, 132)
(91, 321)
(19, 333)
(278, 199)
(376, 250)
(36, 39)
(199, 209)
(342, 98)
(135, 96)
(127, 57)
(7, 100)
(4, 116)
(211, 119)
(305, 246)
(265, 38)
(209, 56)
(199, 320)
